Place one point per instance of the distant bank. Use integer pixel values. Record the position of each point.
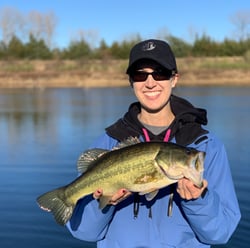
(111, 73)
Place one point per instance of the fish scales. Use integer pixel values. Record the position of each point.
(117, 170)
(143, 167)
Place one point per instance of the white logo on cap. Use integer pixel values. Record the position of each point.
(148, 46)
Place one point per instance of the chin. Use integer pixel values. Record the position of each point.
(153, 109)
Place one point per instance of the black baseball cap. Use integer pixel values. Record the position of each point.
(156, 50)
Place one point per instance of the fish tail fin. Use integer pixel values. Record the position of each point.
(54, 201)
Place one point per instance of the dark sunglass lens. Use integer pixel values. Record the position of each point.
(161, 75)
(138, 76)
(141, 76)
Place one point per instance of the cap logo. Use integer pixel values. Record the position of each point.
(148, 46)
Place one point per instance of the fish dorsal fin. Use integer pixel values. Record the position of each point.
(127, 142)
(87, 158)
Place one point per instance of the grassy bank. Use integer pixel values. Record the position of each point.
(96, 73)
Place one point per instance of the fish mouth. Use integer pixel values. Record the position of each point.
(193, 172)
(196, 169)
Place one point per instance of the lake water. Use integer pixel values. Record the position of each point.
(42, 133)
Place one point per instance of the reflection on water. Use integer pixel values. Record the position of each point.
(43, 132)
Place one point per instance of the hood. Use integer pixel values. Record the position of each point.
(185, 111)
(186, 127)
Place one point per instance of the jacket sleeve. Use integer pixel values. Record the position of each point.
(215, 216)
(88, 222)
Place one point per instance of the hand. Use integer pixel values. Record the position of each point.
(187, 190)
(119, 196)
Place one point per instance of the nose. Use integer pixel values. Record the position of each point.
(150, 82)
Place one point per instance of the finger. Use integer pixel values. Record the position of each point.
(205, 184)
(97, 194)
(187, 190)
(120, 196)
(197, 192)
(204, 189)
(191, 191)
(180, 188)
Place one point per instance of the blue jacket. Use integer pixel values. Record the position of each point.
(208, 220)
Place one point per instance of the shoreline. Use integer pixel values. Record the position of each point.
(75, 74)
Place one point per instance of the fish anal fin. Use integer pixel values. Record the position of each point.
(104, 201)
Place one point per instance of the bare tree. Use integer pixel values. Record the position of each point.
(91, 37)
(14, 23)
(11, 23)
(241, 21)
(162, 33)
(42, 26)
(35, 24)
(50, 22)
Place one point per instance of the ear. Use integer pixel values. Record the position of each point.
(174, 80)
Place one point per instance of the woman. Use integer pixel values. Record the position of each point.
(200, 217)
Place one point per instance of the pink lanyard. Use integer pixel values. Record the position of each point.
(166, 138)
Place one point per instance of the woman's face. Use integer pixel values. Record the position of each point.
(153, 94)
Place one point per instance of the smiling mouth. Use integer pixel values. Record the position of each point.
(152, 93)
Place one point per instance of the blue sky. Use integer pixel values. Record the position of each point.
(114, 20)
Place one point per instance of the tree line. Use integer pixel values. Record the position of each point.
(31, 37)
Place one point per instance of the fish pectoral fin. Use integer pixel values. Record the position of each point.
(150, 195)
(104, 201)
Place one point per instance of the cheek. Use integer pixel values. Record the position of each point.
(167, 88)
(137, 89)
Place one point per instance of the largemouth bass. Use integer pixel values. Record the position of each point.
(142, 167)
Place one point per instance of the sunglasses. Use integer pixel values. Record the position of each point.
(158, 75)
